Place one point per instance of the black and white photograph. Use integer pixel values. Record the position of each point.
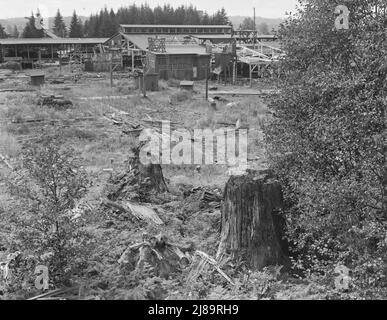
(199, 157)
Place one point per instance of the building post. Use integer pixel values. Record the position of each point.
(111, 73)
(255, 32)
(143, 85)
(234, 72)
(251, 75)
(132, 60)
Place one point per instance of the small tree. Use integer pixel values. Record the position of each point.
(48, 185)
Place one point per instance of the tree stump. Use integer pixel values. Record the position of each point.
(252, 228)
(151, 172)
(137, 181)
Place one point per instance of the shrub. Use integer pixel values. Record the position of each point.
(12, 65)
(326, 140)
(47, 186)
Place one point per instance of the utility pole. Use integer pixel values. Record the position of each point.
(207, 67)
(255, 31)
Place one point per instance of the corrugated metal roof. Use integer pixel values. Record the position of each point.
(53, 41)
(141, 41)
(172, 26)
(212, 36)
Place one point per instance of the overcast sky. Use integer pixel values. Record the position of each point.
(264, 8)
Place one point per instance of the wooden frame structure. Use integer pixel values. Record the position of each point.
(34, 50)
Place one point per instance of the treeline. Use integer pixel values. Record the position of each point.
(106, 22)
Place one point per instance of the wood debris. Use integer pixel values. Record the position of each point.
(155, 251)
(138, 211)
(205, 262)
(54, 294)
(54, 101)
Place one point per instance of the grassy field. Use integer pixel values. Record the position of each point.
(94, 126)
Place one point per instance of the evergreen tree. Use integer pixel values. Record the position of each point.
(59, 25)
(76, 28)
(247, 24)
(3, 34)
(205, 19)
(15, 32)
(9, 30)
(30, 30)
(106, 23)
(220, 17)
(263, 28)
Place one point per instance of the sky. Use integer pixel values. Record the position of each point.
(264, 8)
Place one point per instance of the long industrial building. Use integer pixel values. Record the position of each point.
(30, 50)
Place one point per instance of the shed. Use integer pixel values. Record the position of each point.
(37, 78)
(151, 82)
(179, 65)
(187, 85)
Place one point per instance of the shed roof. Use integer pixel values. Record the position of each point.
(212, 36)
(141, 41)
(45, 41)
(173, 26)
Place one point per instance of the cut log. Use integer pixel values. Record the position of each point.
(252, 227)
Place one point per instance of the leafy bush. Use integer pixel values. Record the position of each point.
(326, 139)
(12, 65)
(47, 186)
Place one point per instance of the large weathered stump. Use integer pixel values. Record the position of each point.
(137, 181)
(151, 172)
(252, 227)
